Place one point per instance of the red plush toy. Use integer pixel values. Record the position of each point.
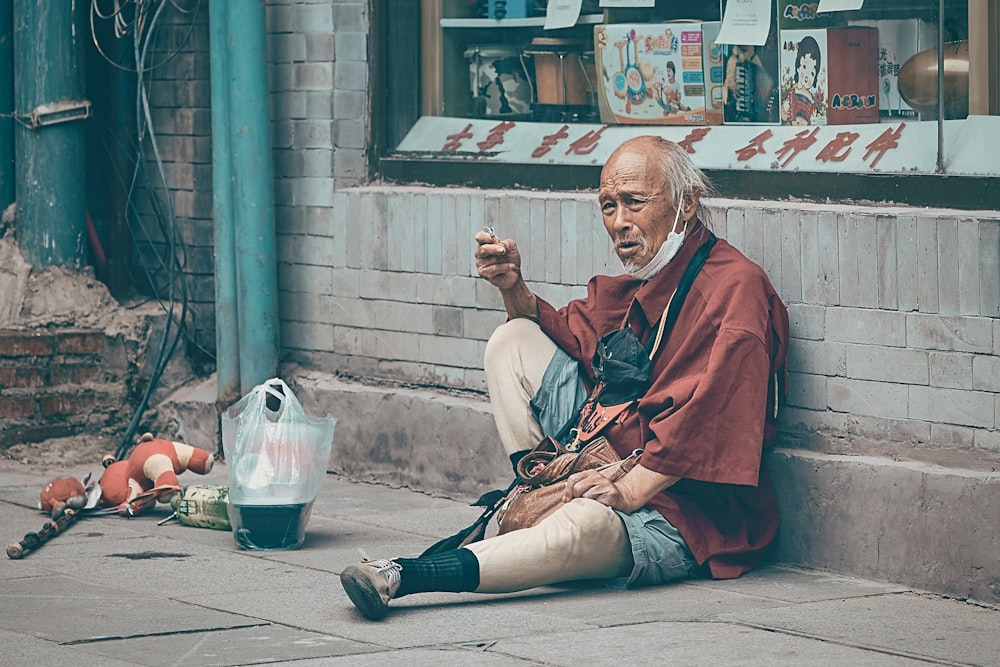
(61, 493)
(150, 472)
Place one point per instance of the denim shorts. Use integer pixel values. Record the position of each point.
(659, 552)
(556, 405)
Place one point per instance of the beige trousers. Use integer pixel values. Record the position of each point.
(517, 355)
(583, 539)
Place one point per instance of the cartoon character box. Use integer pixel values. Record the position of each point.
(829, 76)
(652, 73)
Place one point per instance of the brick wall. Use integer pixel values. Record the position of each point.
(319, 101)
(318, 73)
(179, 90)
(895, 312)
(59, 383)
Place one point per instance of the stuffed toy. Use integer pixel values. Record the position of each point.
(150, 473)
(61, 493)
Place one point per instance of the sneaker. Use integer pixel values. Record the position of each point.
(371, 584)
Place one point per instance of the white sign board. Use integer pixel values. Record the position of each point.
(746, 22)
(901, 147)
(562, 13)
(838, 5)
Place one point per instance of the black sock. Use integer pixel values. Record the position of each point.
(454, 571)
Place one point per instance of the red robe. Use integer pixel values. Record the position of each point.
(709, 412)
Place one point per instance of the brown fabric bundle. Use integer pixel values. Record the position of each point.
(540, 470)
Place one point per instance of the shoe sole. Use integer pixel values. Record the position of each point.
(363, 594)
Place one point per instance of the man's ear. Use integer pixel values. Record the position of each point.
(690, 205)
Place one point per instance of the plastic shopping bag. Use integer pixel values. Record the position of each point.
(277, 458)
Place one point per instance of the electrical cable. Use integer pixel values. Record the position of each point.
(144, 120)
(144, 30)
(122, 29)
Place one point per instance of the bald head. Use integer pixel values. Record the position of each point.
(681, 180)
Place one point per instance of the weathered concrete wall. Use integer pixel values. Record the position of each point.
(895, 356)
(894, 311)
(914, 523)
(921, 525)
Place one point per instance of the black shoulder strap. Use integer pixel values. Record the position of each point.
(677, 300)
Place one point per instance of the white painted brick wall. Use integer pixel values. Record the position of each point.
(895, 314)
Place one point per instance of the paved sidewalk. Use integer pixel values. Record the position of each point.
(114, 591)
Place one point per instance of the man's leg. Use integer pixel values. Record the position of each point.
(517, 355)
(581, 540)
(535, 388)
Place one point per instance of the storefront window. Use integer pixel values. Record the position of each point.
(763, 88)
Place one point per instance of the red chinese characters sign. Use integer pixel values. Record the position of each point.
(774, 148)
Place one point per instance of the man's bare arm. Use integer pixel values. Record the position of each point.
(500, 263)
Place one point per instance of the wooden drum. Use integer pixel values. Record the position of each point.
(564, 71)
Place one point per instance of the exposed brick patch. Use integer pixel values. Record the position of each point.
(77, 342)
(23, 376)
(76, 373)
(68, 403)
(59, 383)
(25, 344)
(17, 407)
(38, 432)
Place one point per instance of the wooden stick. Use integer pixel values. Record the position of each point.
(33, 541)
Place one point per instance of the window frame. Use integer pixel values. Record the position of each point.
(396, 104)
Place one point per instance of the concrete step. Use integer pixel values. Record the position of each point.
(915, 524)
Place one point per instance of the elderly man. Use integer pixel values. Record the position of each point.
(699, 502)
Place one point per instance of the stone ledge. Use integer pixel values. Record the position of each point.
(915, 524)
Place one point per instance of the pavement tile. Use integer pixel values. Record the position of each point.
(603, 606)
(224, 606)
(694, 643)
(796, 585)
(61, 609)
(421, 620)
(435, 656)
(23, 649)
(260, 644)
(949, 631)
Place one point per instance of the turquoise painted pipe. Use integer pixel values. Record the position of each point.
(49, 137)
(253, 197)
(6, 103)
(227, 329)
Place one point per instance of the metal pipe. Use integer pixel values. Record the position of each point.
(940, 88)
(227, 348)
(49, 137)
(253, 197)
(6, 103)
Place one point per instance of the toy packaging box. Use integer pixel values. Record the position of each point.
(803, 61)
(829, 76)
(898, 40)
(714, 72)
(750, 88)
(853, 72)
(652, 74)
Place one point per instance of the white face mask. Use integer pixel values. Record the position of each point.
(663, 256)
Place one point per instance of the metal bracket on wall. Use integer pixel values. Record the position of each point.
(57, 112)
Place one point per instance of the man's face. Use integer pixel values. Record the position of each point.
(635, 204)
